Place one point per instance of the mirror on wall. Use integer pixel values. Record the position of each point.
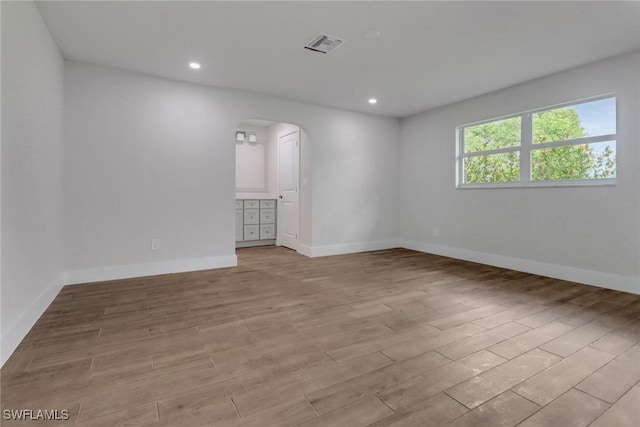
(252, 157)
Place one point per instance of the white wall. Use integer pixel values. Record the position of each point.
(590, 234)
(32, 159)
(151, 158)
(253, 165)
(269, 136)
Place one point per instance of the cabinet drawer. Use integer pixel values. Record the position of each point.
(267, 204)
(251, 232)
(267, 232)
(267, 216)
(251, 216)
(239, 204)
(251, 204)
(239, 225)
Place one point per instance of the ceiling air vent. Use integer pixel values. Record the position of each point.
(323, 43)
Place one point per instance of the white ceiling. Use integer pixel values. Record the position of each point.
(429, 53)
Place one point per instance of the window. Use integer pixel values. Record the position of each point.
(572, 144)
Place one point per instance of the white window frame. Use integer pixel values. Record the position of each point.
(527, 146)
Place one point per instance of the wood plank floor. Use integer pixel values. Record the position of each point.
(385, 338)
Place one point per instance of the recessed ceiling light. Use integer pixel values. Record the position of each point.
(373, 101)
(194, 65)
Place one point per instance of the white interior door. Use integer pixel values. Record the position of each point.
(288, 196)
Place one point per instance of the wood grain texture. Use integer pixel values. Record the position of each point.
(384, 338)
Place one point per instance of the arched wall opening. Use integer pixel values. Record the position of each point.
(272, 184)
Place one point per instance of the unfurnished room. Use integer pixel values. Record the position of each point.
(320, 213)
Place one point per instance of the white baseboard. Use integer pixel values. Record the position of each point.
(20, 326)
(305, 250)
(148, 269)
(589, 277)
(255, 243)
(347, 248)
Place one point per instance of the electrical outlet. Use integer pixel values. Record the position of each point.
(155, 244)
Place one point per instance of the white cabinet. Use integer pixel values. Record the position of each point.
(255, 222)
(239, 225)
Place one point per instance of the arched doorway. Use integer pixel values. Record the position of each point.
(272, 185)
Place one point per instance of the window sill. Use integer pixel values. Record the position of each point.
(607, 182)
